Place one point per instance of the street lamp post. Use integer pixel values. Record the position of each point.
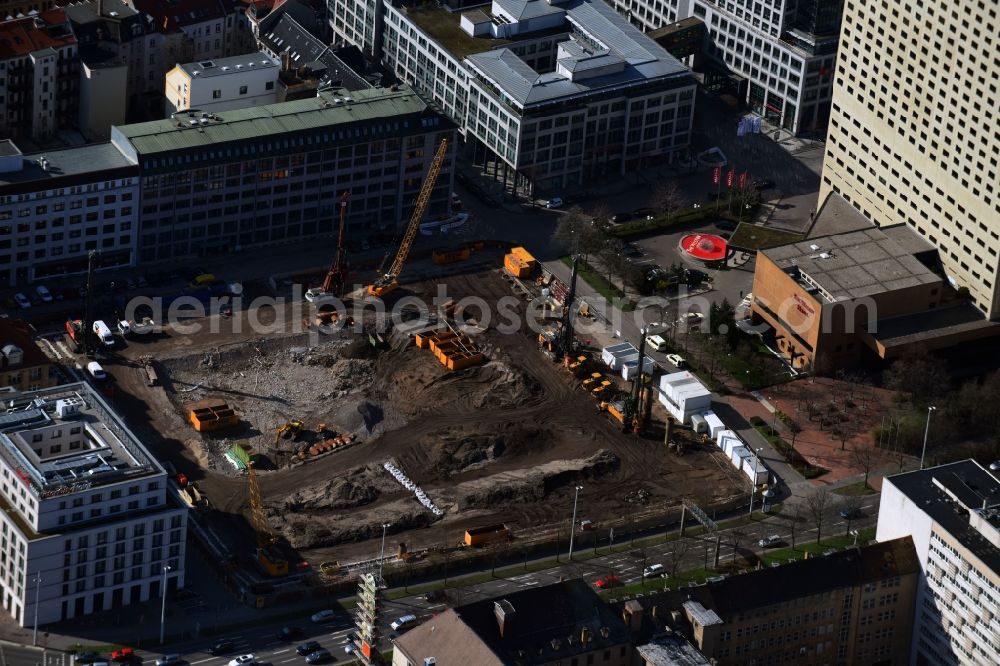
(927, 429)
(774, 414)
(381, 555)
(37, 580)
(753, 489)
(572, 525)
(163, 607)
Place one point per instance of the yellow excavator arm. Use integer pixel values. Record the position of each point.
(389, 281)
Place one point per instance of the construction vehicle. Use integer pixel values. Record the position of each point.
(336, 277)
(75, 331)
(602, 388)
(389, 281)
(592, 380)
(289, 429)
(271, 561)
(579, 365)
(147, 369)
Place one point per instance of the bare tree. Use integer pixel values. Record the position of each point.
(816, 506)
(676, 556)
(843, 431)
(736, 536)
(795, 430)
(865, 458)
(794, 513)
(576, 231)
(668, 197)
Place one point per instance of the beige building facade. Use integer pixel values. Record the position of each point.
(913, 132)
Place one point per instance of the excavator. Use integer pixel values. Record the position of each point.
(389, 281)
(336, 277)
(289, 429)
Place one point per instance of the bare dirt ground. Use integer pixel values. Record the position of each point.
(505, 441)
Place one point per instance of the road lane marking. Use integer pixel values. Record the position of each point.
(280, 651)
(202, 661)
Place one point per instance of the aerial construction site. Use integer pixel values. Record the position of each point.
(303, 446)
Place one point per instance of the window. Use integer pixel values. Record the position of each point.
(243, 90)
(269, 85)
(216, 94)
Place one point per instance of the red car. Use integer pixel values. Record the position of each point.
(125, 654)
(608, 581)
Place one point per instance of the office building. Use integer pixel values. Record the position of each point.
(243, 178)
(780, 54)
(562, 623)
(913, 136)
(853, 606)
(40, 68)
(952, 514)
(853, 294)
(87, 521)
(553, 93)
(23, 366)
(213, 86)
(58, 205)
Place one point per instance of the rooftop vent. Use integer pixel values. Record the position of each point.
(225, 68)
(13, 355)
(814, 247)
(68, 407)
(824, 255)
(430, 661)
(207, 64)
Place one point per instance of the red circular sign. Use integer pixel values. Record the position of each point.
(706, 247)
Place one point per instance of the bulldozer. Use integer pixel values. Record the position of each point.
(579, 365)
(592, 380)
(603, 388)
(289, 429)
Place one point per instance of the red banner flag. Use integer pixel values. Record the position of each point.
(743, 180)
(729, 178)
(716, 175)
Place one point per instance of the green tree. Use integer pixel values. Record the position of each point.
(576, 231)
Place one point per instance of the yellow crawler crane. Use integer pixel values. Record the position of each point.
(271, 561)
(390, 280)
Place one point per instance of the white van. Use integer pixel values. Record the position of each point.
(104, 333)
(656, 342)
(404, 622)
(96, 371)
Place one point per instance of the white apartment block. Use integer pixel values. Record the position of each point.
(58, 205)
(785, 49)
(87, 522)
(211, 86)
(556, 92)
(913, 134)
(952, 512)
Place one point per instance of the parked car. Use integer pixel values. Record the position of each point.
(169, 660)
(656, 342)
(319, 657)
(631, 250)
(677, 361)
(87, 657)
(222, 647)
(289, 633)
(242, 660)
(22, 301)
(769, 541)
(694, 276)
(123, 654)
(436, 595)
(322, 616)
(645, 213)
(96, 371)
(554, 202)
(308, 648)
(608, 581)
(654, 571)
(404, 622)
(44, 293)
(852, 513)
(100, 662)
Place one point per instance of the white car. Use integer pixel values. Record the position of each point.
(768, 542)
(690, 319)
(243, 659)
(554, 202)
(677, 360)
(654, 571)
(43, 293)
(322, 616)
(96, 371)
(656, 342)
(23, 301)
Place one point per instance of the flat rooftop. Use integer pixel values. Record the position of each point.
(285, 118)
(206, 69)
(947, 493)
(671, 651)
(935, 328)
(39, 437)
(444, 27)
(854, 264)
(75, 161)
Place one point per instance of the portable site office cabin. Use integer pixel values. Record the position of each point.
(683, 395)
(631, 366)
(615, 355)
(715, 424)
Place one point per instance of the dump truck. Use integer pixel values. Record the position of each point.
(485, 535)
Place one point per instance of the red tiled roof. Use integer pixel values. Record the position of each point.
(19, 37)
(171, 15)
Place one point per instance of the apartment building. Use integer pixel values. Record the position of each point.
(913, 135)
(554, 93)
(39, 75)
(849, 607)
(952, 513)
(223, 84)
(23, 365)
(242, 178)
(563, 623)
(87, 521)
(58, 205)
